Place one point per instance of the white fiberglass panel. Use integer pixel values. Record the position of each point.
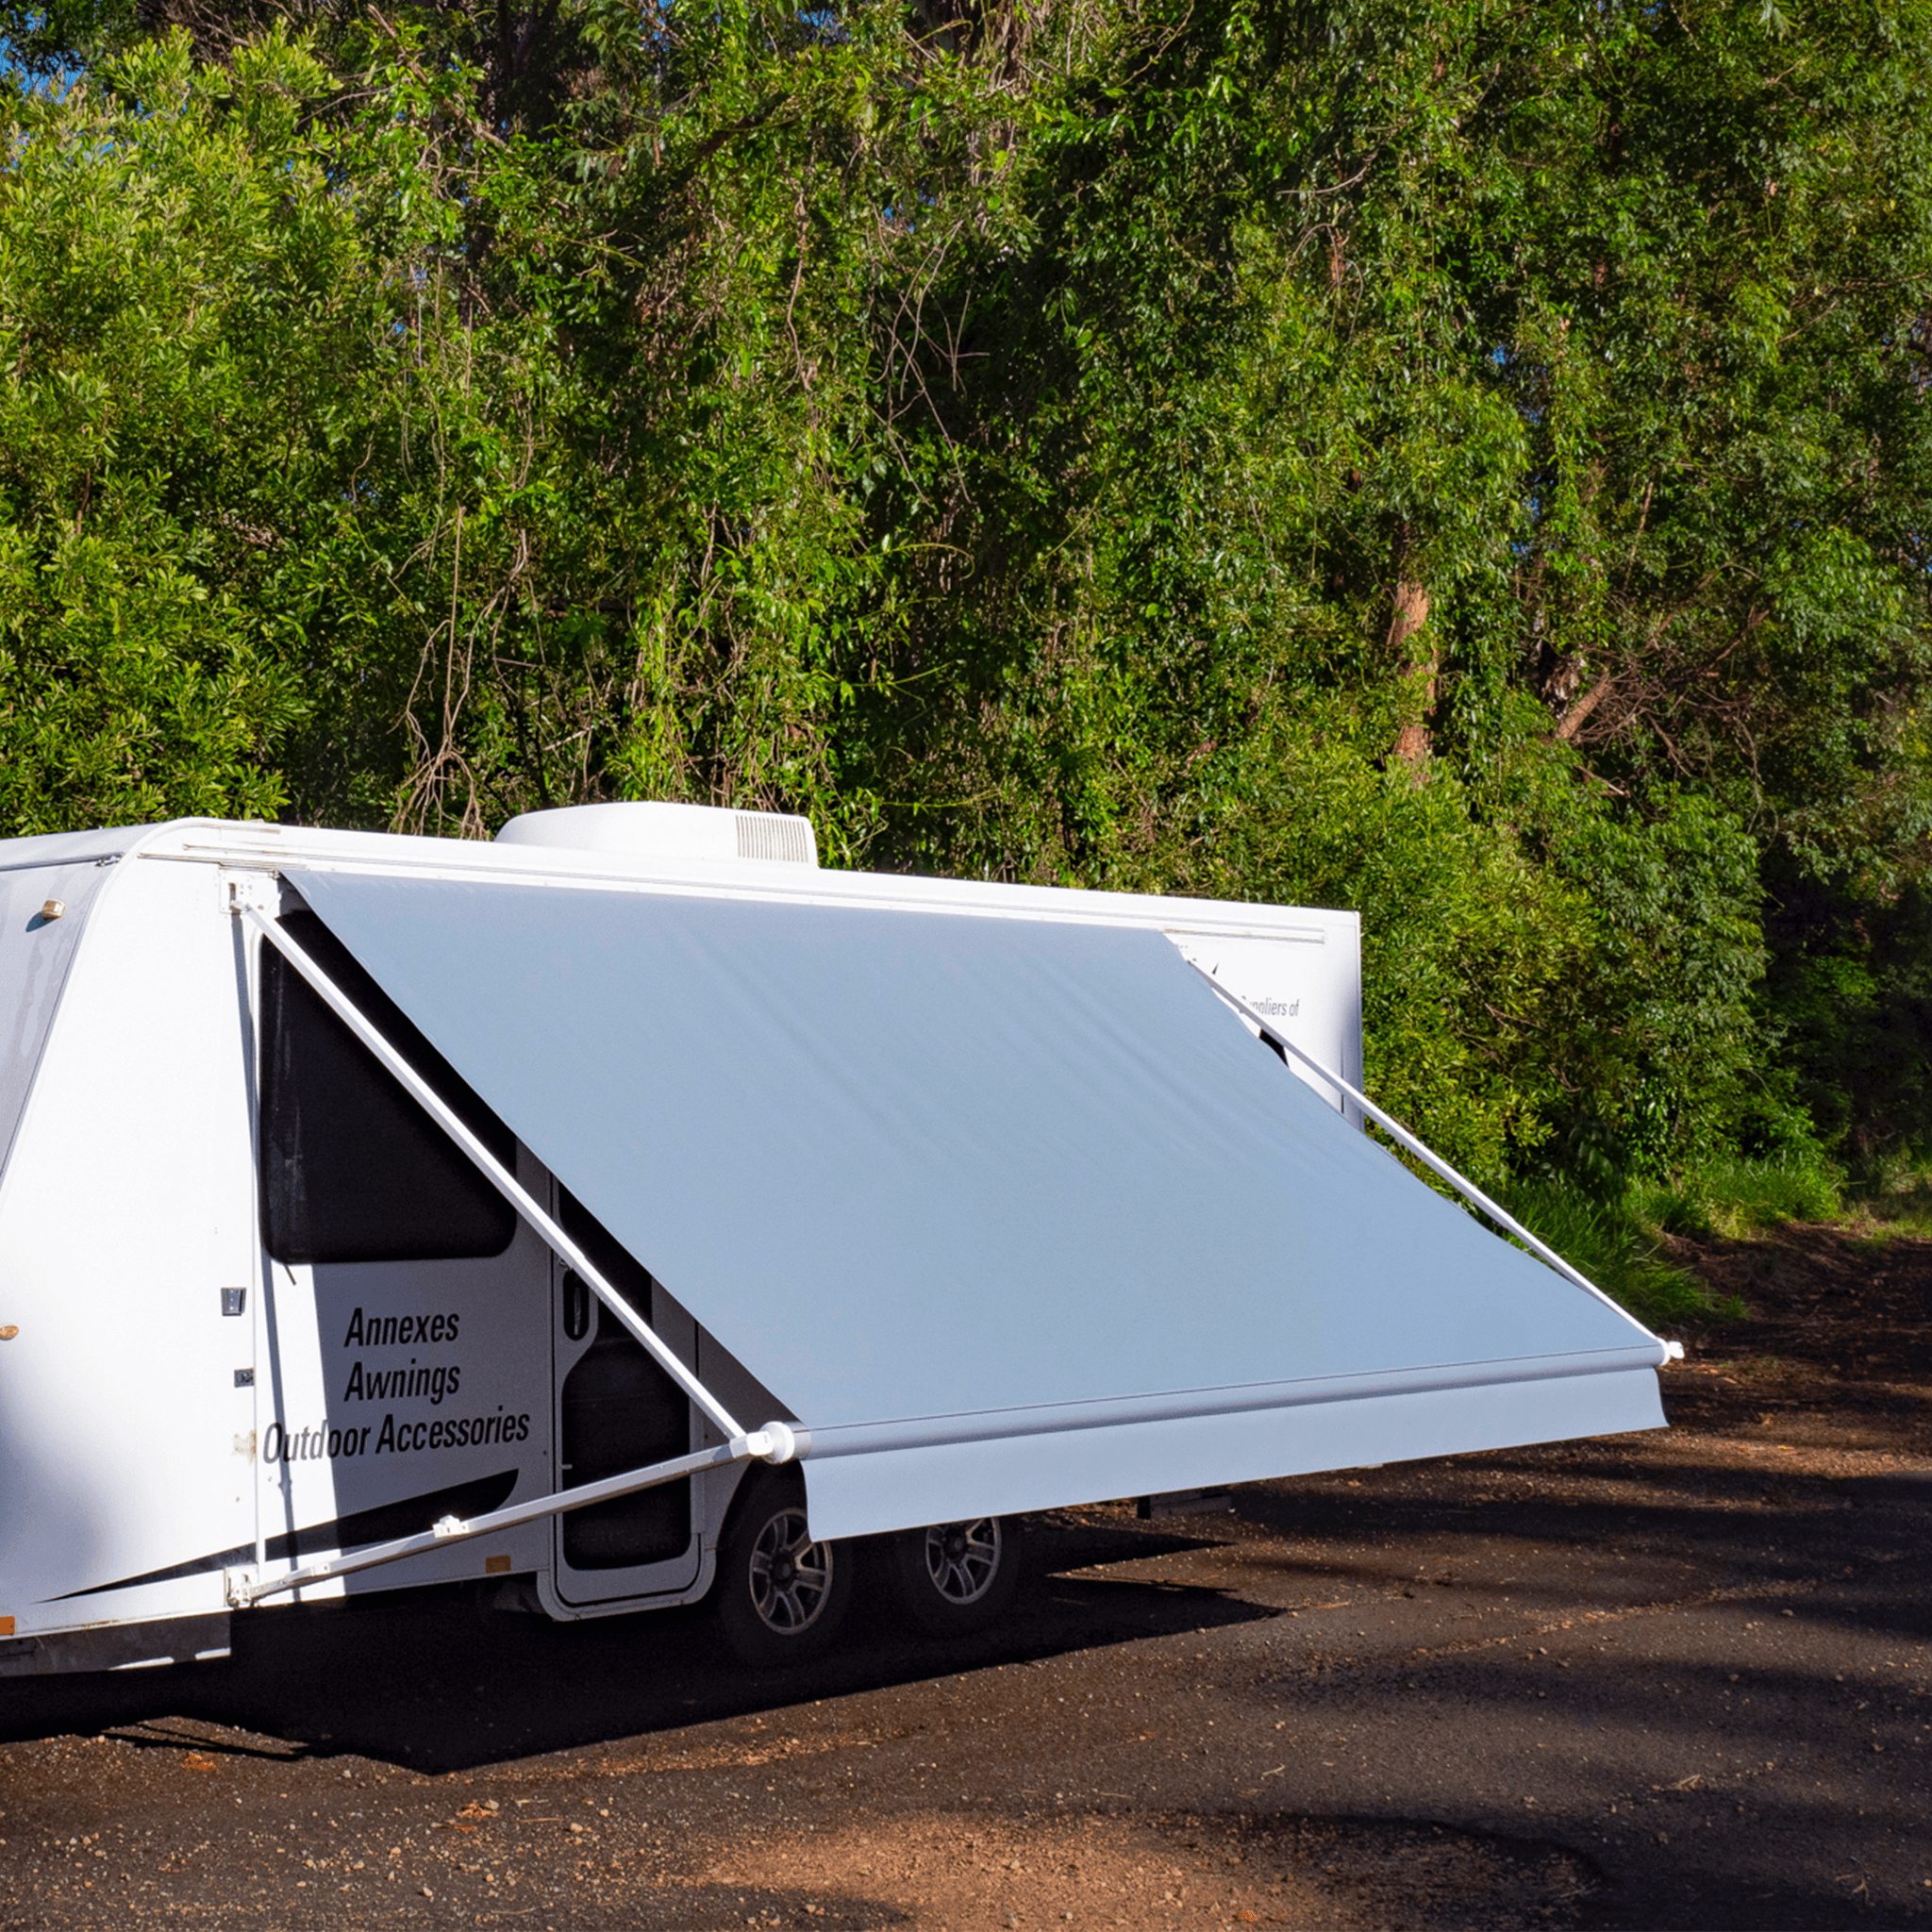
(35, 954)
(396, 1393)
(127, 1423)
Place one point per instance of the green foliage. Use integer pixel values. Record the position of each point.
(1616, 1237)
(148, 260)
(1850, 995)
(1614, 1244)
(1662, 1043)
(1469, 465)
(1899, 1206)
(1736, 1195)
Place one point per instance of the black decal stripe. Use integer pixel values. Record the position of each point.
(381, 1524)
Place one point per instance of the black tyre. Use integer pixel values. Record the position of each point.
(780, 1597)
(955, 1578)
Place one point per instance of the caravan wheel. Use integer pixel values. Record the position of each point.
(955, 1578)
(780, 1597)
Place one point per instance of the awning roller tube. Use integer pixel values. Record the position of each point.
(931, 1432)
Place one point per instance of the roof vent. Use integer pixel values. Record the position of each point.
(773, 834)
(667, 831)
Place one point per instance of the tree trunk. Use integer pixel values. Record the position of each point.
(1415, 672)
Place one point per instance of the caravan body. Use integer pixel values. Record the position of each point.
(363, 1196)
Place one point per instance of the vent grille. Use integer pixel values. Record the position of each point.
(765, 835)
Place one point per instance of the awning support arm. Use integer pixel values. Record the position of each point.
(508, 1185)
(1403, 1137)
(243, 1589)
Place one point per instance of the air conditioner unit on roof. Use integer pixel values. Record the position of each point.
(704, 832)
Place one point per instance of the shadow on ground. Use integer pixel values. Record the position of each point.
(431, 1681)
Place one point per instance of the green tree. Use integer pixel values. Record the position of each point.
(1466, 463)
(153, 406)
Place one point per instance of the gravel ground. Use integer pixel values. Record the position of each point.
(1668, 1681)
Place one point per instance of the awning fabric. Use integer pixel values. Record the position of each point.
(1010, 1213)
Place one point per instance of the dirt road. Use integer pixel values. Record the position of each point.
(1672, 1680)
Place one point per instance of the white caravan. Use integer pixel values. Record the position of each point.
(630, 1208)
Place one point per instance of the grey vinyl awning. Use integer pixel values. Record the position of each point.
(1010, 1213)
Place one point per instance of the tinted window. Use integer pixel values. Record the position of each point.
(352, 1169)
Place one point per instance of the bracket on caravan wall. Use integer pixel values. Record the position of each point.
(1398, 1133)
(775, 1443)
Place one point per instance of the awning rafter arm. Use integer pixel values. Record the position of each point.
(764, 1441)
(1403, 1137)
(243, 1589)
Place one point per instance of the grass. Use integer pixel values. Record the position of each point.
(1737, 1197)
(1620, 1242)
(1896, 1207)
(1617, 1246)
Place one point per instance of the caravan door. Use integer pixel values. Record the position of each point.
(615, 1409)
